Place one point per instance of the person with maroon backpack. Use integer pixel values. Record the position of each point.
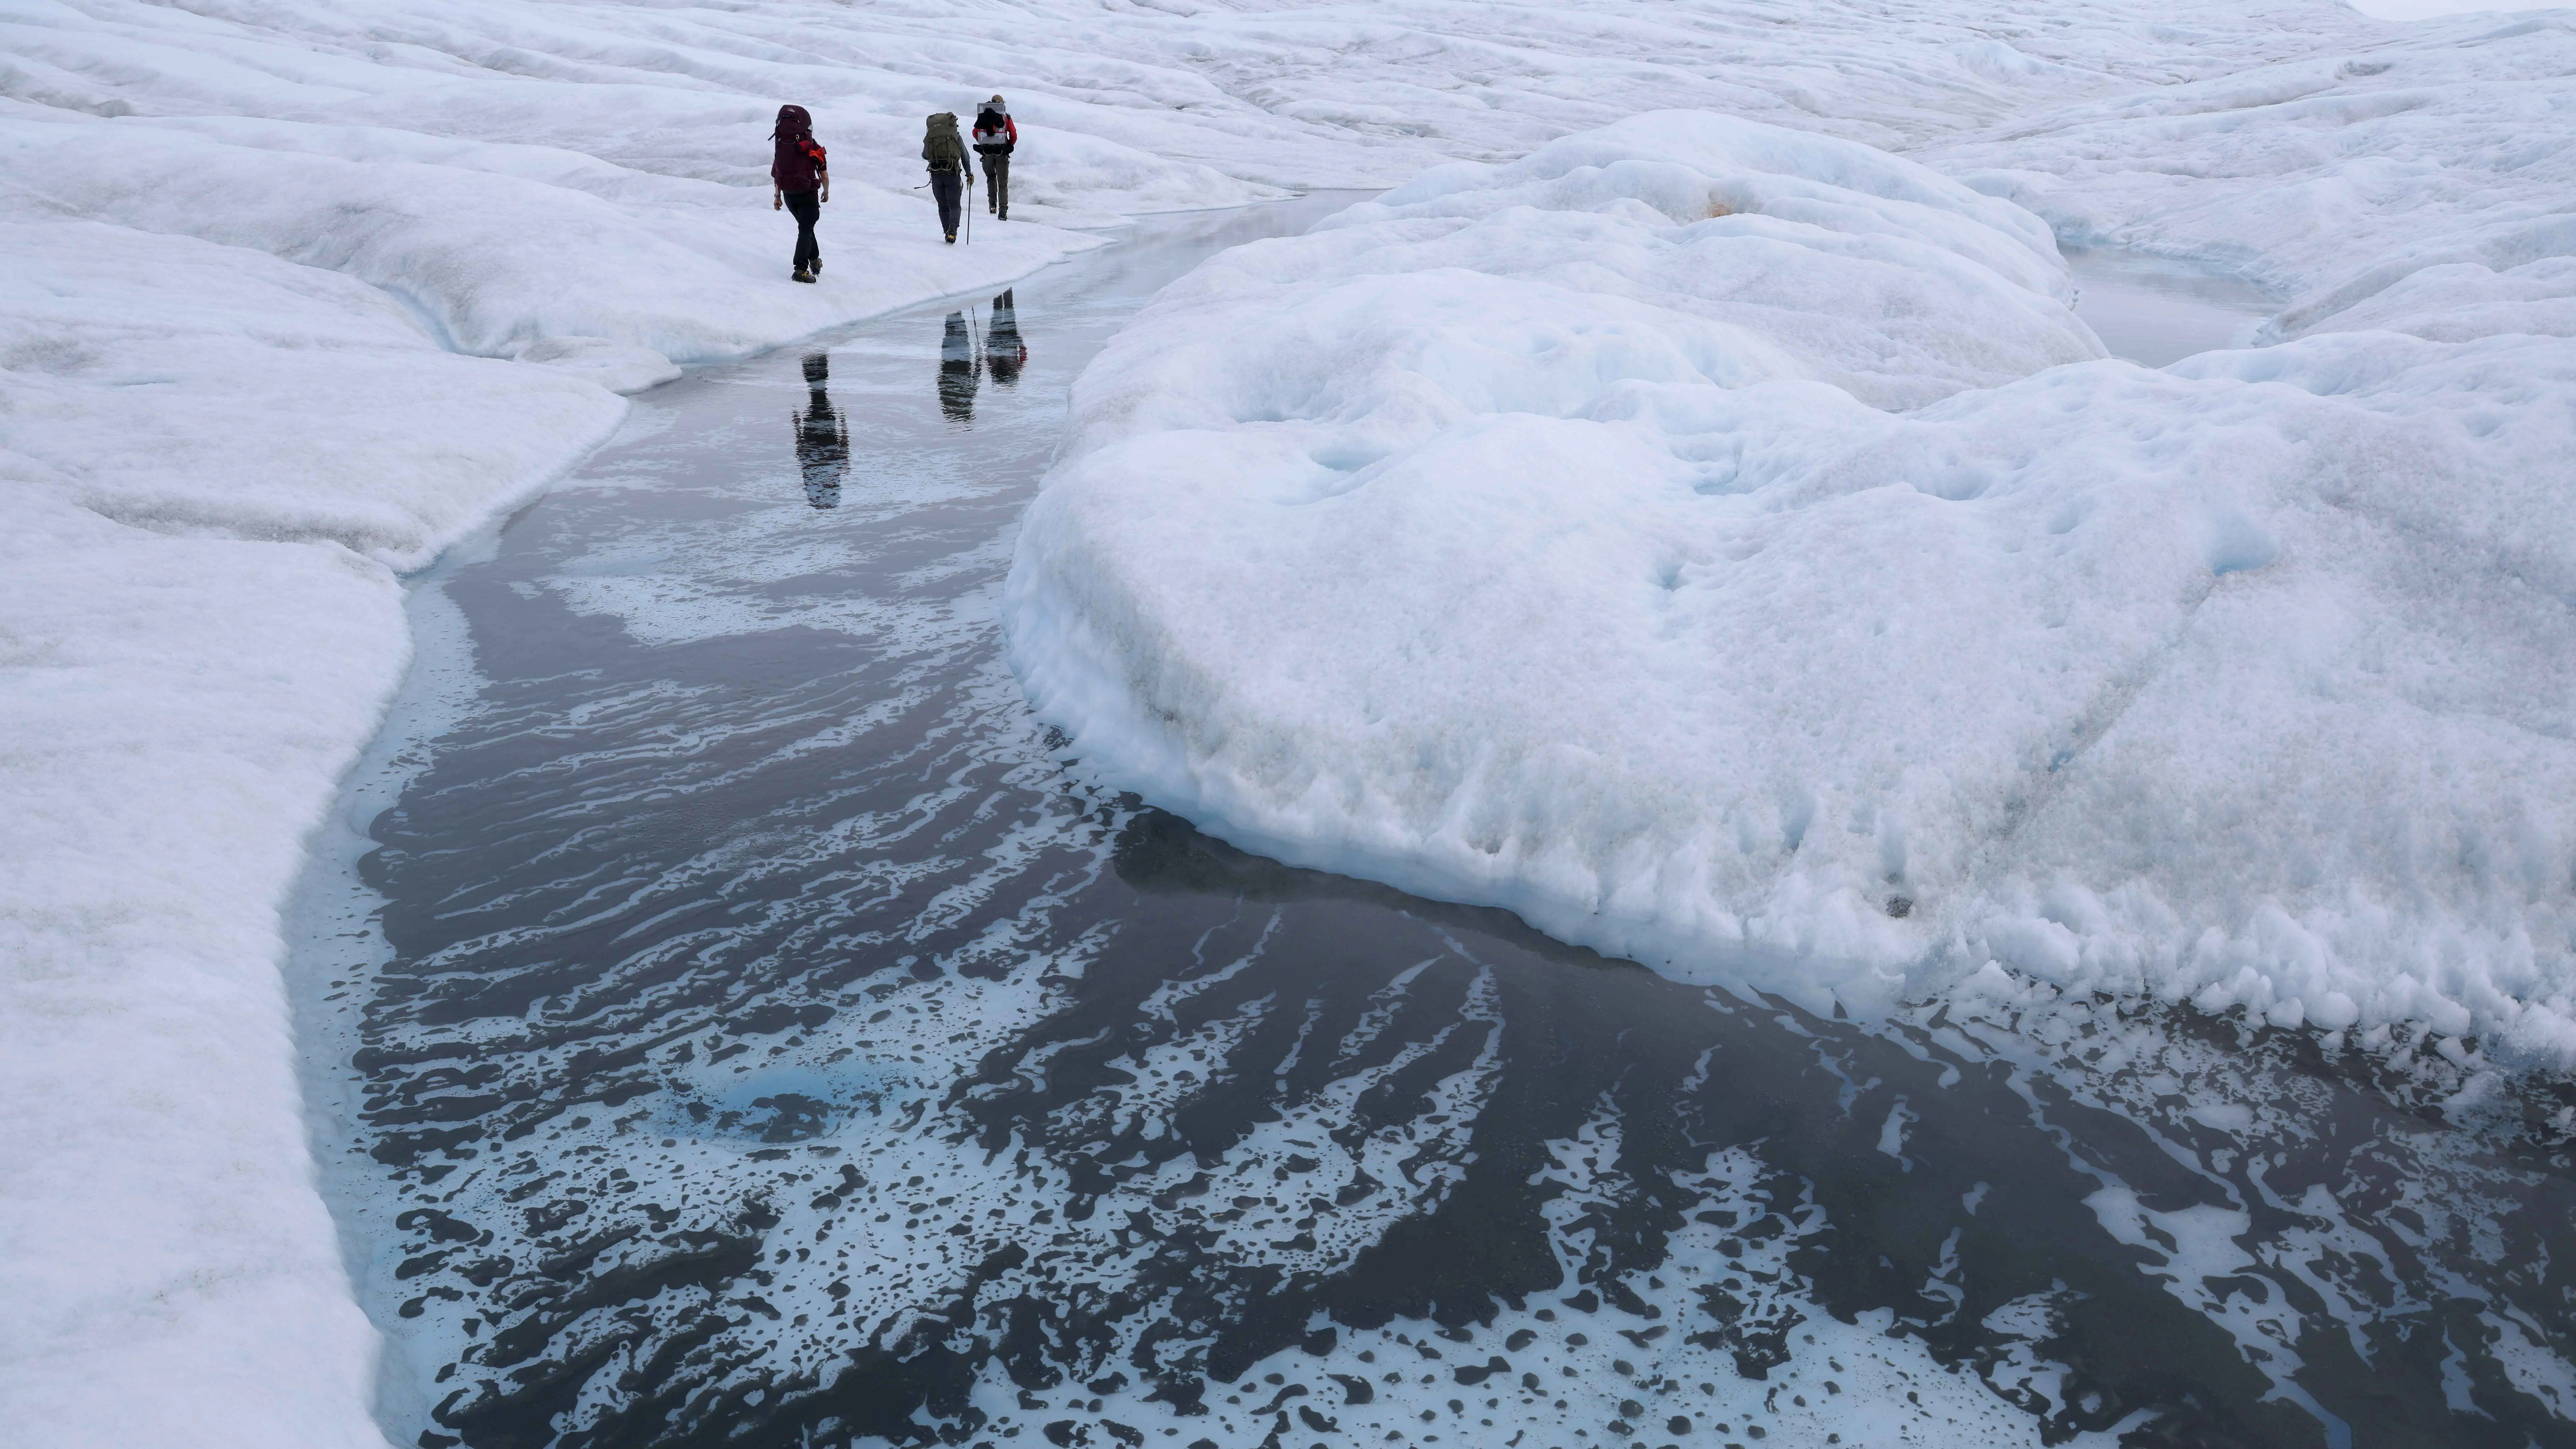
(801, 182)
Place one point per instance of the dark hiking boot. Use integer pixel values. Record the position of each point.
(815, 266)
(804, 276)
(952, 238)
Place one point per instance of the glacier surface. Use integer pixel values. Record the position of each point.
(1722, 546)
(298, 296)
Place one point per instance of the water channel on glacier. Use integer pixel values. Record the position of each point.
(726, 1025)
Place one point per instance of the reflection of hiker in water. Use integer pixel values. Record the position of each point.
(1004, 353)
(945, 153)
(957, 370)
(822, 437)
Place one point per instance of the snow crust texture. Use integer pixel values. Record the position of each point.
(209, 466)
(2417, 185)
(1712, 543)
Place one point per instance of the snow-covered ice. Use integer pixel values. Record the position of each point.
(298, 295)
(2339, 174)
(212, 462)
(1614, 582)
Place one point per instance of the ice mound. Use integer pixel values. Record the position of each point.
(1537, 538)
(1675, 247)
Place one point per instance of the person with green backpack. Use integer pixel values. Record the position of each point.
(945, 150)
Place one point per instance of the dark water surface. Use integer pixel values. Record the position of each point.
(726, 1026)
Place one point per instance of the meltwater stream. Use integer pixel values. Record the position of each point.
(2158, 312)
(726, 1026)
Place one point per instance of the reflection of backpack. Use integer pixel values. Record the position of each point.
(942, 147)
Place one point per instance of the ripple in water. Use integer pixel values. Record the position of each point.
(728, 1027)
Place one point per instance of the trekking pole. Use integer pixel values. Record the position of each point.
(970, 203)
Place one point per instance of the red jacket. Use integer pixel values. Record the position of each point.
(989, 142)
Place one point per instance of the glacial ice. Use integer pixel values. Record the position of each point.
(266, 265)
(1715, 591)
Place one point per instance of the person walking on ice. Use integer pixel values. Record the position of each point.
(995, 135)
(950, 172)
(800, 182)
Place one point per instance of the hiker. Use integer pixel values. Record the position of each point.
(800, 182)
(822, 436)
(1004, 352)
(995, 135)
(957, 369)
(950, 172)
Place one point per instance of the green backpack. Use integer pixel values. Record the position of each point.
(943, 148)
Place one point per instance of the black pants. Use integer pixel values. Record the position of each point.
(947, 187)
(997, 185)
(807, 211)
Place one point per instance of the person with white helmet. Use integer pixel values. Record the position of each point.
(995, 135)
